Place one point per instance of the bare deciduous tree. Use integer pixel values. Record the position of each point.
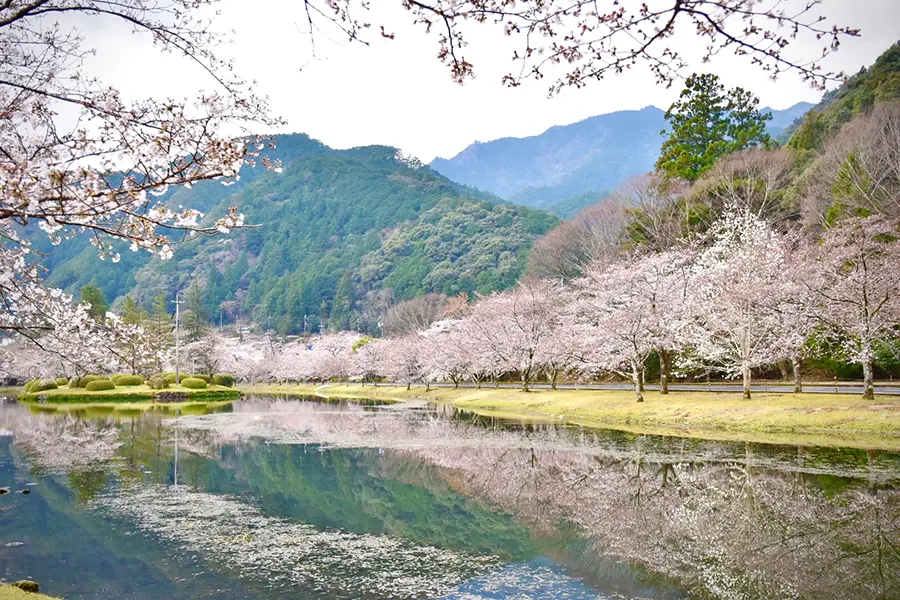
(859, 169)
(594, 236)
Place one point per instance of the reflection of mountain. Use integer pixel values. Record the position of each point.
(408, 502)
(74, 553)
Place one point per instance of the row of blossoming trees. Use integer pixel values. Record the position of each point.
(742, 297)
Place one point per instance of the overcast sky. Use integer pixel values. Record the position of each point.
(396, 92)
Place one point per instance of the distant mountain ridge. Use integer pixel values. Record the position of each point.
(568, 167)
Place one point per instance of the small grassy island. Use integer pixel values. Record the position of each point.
(21, 591)
(130, 388)
(785, 418)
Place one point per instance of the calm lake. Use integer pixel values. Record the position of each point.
(294, 498)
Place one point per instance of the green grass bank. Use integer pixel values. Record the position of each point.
(137, 393)
(9, 592)
(808, 419)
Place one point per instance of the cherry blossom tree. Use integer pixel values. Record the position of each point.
(366, 359)
(403, 359)
(101, 169)
(449, 350)
(629, 309)
(573, 43)
(516, 325)
(248, 359)
(853, 279)
(740, 297)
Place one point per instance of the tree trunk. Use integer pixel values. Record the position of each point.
(427, 386)
(798, 383)
(663, 372)
(408, 385)
(456, 384)
(783, 367)
(745, 370)
(636, 379)
(641, 378)
(868, 381)
(554, 375)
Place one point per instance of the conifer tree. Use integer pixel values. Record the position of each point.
(706, 122)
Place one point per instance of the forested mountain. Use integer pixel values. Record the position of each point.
(569, 167)
(336, 231)
(877, 83)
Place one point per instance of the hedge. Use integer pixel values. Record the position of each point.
(89, 378)
(170, 377)
(223, 379)
(41, 385)
(205, 378)
(61, 381)
(158, 382)
(100, 384)
(194, 383)
(127, 380)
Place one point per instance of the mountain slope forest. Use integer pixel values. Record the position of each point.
(840, 160)
(569, 167)
(336, 238)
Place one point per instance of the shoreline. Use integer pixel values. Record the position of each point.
(833, 420)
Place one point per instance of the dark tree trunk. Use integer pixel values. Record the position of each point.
(663, 372)
(868, 380)
(798, 382)
(745, 371)
(783, 367)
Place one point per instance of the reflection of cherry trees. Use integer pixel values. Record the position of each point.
(722, 529)
(63, 443)
(725, 520)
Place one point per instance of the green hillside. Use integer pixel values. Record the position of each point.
(878, 83)
(334, 227)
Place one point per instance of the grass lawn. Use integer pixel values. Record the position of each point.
(134, 393)
(8, 592)
(816, 419)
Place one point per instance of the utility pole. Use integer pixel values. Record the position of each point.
(177, 302)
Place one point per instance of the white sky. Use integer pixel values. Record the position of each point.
(396, 92)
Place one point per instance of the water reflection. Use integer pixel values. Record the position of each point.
(341, 500)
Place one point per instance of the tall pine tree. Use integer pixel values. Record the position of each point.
(705, 123)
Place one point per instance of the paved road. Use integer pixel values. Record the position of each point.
(881, 390)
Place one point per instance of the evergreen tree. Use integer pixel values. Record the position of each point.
(196, 319)
(132, 313)
(706, 122)
(341, 317)
(160, 326)
(92, 295)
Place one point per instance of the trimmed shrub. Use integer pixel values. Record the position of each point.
(61, 381)
(43, 385)
(75, 382)
(26, 585)
(170, 377)
(223, 379)
(28, 385)
(205, 378)
(89, 378)
(158, 382)
(100, 384)
(127, 380)
(194, 383)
